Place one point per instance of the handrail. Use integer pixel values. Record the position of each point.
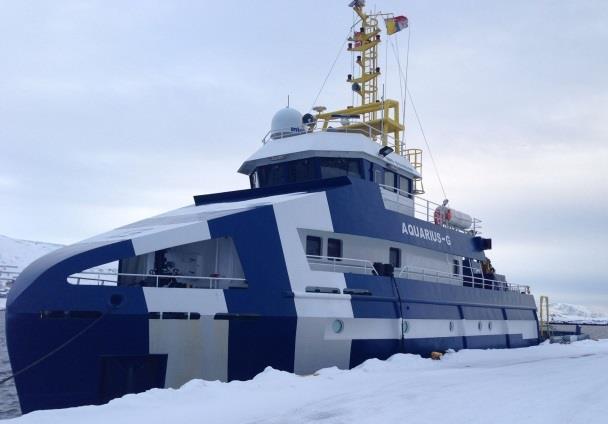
(370, 132)
(424, 209)
(213, 281)
(476, 280)
(336, 261)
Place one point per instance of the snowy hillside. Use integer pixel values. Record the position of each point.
(576, 314)
(546, 384)
(21, 253)
(15, 255)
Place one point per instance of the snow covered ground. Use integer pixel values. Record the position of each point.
(542, 384)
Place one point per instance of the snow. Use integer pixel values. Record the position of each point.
(575, 314)
(21, 253)
(541, 384)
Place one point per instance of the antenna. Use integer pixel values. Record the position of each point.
(288, 100)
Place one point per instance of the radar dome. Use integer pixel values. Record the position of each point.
(286, 122)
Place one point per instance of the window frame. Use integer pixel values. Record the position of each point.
(316, 238)
(330, 240)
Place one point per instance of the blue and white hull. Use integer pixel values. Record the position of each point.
(75, 344)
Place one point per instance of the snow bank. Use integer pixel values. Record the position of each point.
(541, 384)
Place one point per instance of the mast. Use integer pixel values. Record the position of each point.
(372, 115)
(379, 117)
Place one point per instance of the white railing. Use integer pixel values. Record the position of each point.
(364, 266)
(475, 280)
(158, 280)
(424, 209)
(334, 263)
(367, 130)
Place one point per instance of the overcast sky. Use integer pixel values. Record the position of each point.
(112, 111)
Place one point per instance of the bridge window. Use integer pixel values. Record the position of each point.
(405, 184)
(389, 179)
(378, 176)
(339, 167)
(300, 170)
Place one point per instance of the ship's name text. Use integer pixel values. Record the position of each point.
(425, 233)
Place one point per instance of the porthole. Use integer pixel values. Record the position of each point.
(337, 326)
(451, 325)
(479, 325)
(405, 327)
(116, 300)
(490, 325)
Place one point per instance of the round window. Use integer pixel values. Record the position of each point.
(405, 327)
(337, 326)
(479, 325)
(451, 325)
(490, 325)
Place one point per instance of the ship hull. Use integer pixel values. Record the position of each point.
(73, 345)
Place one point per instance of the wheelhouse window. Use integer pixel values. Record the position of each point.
(340, 167)
(300, 171)
(395, 257)
(405, 185)
(284, 173)
(389, 179)
(253, 179)
(378, 176)
(271, 175)
(313, 246)
(334, 248)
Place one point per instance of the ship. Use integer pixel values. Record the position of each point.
(333, 256)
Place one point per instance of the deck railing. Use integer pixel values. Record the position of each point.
(424, 209)
(473, 278)
(334, 263)
(157, 280)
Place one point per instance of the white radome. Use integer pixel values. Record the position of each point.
(286, 122)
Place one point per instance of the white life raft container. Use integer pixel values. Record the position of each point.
(448, 216)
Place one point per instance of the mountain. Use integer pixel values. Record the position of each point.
(575, 314)
(21, 253)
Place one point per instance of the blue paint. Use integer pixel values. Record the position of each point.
(254, 345)
(71, 376)
(371, 219)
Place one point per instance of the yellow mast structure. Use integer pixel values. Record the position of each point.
(378, 116)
